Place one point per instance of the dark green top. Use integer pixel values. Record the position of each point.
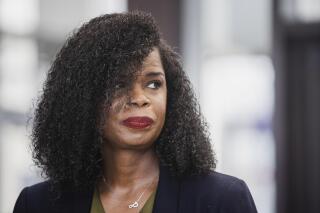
(96, 206)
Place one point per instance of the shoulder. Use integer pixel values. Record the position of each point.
(220, 191)
(213, 182)
(35, 198)
(37, 189)
(41, 198)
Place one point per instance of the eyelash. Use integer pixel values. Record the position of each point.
(157, 84)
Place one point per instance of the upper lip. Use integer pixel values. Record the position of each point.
(138, 120)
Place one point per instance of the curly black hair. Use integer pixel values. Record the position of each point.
(66, 138)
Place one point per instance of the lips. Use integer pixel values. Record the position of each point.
(138, 122)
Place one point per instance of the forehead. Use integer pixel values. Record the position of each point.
(153, 61)
(151, 66)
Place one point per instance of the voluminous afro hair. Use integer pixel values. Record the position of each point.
(66, 139)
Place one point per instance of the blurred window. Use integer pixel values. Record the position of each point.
(305, 11)
(237, 92)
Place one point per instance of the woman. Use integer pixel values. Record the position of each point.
(118, 129)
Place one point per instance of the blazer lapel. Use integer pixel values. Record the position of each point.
(167, 195)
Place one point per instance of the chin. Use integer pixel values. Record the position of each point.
(138, 146)
(137, 143)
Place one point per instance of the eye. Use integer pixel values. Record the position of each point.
(154, 84)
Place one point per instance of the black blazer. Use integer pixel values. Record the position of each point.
(212, 193)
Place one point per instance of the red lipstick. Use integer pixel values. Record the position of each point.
(138, 122)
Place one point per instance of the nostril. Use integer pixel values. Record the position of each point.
(141, 101)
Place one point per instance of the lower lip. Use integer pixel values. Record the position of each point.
(136, 125)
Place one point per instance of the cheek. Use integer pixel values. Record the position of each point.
(117, 106)
(110, 124)
(161, 106)
(112, 131)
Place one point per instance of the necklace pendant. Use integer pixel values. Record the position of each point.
(134, 205)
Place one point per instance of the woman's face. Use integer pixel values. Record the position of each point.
(135, 119)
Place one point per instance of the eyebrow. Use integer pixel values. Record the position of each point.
(154, 74)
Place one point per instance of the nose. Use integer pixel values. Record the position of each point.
(137, 97)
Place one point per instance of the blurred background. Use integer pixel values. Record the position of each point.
(254, 64)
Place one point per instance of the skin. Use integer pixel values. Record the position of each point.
(131, 165)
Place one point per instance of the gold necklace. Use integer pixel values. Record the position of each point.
(134, 204)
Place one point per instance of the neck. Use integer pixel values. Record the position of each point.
(125, 168)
